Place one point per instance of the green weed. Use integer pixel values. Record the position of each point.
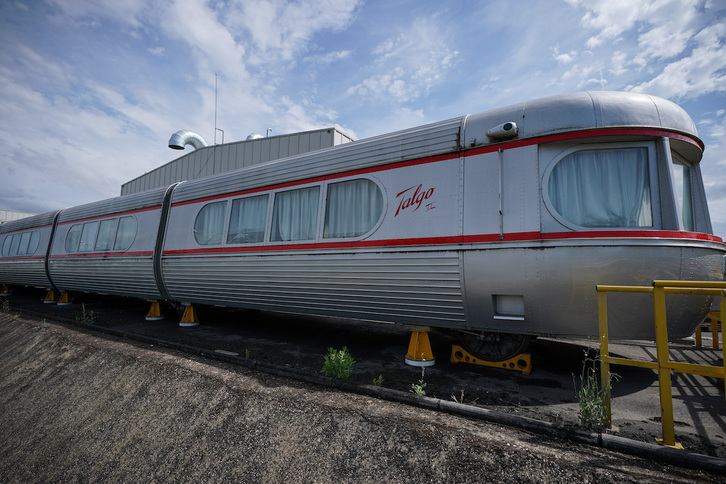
(593, 412)
(338, 363)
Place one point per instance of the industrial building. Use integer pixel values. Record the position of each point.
(219, 158)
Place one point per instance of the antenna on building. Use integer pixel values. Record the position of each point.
(215, 110)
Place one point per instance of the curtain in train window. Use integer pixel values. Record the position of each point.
(209, 226)
(88, 237)
(295, 214)
(352, 209)
(603, 188)
(106, 234)
(247, 220)
(126, 233)
(73, 238)
(682, 183)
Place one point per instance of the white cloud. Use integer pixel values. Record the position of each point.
(408, 65)
(696, 74)
(282, 29)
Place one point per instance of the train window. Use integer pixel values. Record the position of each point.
(106, 234)
(352, 208)
(88, 237)
(126, 233)
(682, 182)
(603, 188)
(6, 245)
(14, 244)
(209, 226)
(247, 220)
(73, 238)
(23, 246)
(295, 214)
(34, 241)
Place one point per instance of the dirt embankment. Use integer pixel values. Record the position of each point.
(75, 407)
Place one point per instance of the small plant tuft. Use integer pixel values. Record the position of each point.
(338, 363)
(378, 381)
(247, 354)
(6, 306)
(420, 387)
(592, 411)
(87, 317)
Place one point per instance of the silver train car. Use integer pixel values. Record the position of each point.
(497, 225)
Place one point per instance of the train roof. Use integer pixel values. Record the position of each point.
(34, 221)
(541, 117)
(125, 203)
(582, 111)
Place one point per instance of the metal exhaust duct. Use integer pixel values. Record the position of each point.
(185, 137)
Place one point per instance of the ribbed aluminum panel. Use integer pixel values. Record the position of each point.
(24, 272)
(416, 288)
(121, 276)
(430, 140)
(138, 201)
(28, 222)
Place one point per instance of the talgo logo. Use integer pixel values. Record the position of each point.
(414, 198)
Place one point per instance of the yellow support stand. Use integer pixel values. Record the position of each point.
(522, 362)
(65, 299)
(189, 319)
(50, 297)
(419, 348)
(154, 312)
(5, 291)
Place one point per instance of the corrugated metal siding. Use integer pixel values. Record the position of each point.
(111, 206)
(24, 272)
(8, 215)
(232, 156)
(122, 276)
(406, 288)
(428, 140)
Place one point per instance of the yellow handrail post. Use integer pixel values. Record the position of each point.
(664, 373)
(699, 340)
(714, 332)
(602, 310)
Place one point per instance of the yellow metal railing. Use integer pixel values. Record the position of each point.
(714, 317)
(662, 365)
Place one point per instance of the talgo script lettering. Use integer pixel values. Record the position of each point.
(413, 199)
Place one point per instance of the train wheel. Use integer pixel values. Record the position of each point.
(492, 346)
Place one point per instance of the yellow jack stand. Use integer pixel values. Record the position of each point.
(154, 312)
(522, 362)
(5, 291)
(50, 297)
(65, 299)
(419, 349)
(190, 318)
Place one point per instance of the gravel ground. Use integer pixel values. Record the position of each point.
(76, 407)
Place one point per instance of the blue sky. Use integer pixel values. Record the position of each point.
(91, 91)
